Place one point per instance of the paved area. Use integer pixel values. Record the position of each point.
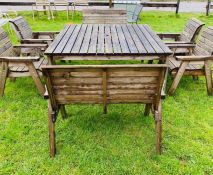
(184, 7)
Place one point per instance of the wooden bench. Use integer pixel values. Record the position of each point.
(13, 65)
(189, 35)
(198, 63)
(104, 84)
(104, 16)
(26, 35)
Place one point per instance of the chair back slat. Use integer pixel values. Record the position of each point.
(22, 28)
(104, 16)
(191, 30)
(6, 47)
(204, 45)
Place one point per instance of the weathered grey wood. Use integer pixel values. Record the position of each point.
(189, 35)
(104, 84)
(201, 53)
(104, 16)
(25, 33)
(87, 38)
(13, 65)
(90, 41)
(131, 44)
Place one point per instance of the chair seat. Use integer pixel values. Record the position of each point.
(14, 67)
(175, 64)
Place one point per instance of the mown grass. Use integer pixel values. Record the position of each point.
(121, 142)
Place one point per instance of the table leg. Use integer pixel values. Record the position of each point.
(44, 8)
(51, 60)
(163, 92)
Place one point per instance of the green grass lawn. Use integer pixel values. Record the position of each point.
(121, 142)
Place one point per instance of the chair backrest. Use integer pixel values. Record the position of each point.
(191, 30)
(100, 84)
(204, 45)
(6, 47)
(21, 28)
(136, 13)
(104, 16)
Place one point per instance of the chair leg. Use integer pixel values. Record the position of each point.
(147, 109)
(36, 78)
(208, 75)
(63, 111)
(150, 61)
(3, 77)
(158, 128)
(178, 77)
(105, 109)
(51, 125)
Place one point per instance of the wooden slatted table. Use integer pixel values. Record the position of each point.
(107, 42)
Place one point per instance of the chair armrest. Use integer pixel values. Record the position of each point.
(31, 46)
(181, 45)
(51, 34)
(174, 36)
(178, 42)
(46, 33)
(36, 40)
(194, 58)
(19, 59)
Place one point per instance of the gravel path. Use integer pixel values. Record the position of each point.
(184, 7)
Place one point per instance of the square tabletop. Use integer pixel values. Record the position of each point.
(107, 40)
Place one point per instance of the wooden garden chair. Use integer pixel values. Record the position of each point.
(13, 65)
(104, 84)
(198, 63)
(189, 35)
(26, 35)
(134, 16)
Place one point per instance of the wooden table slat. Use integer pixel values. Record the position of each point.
(153, 43)
(121, 37)
(57, 40)
(67, 49)
(78, 43)
(137, 41)
(65, 39)
(144, 40)
(100, 46)
(130, 42)
(94, 40)
(157, 39)
(108, 40)
(115, 41)
(120, 41)
(86, 41)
